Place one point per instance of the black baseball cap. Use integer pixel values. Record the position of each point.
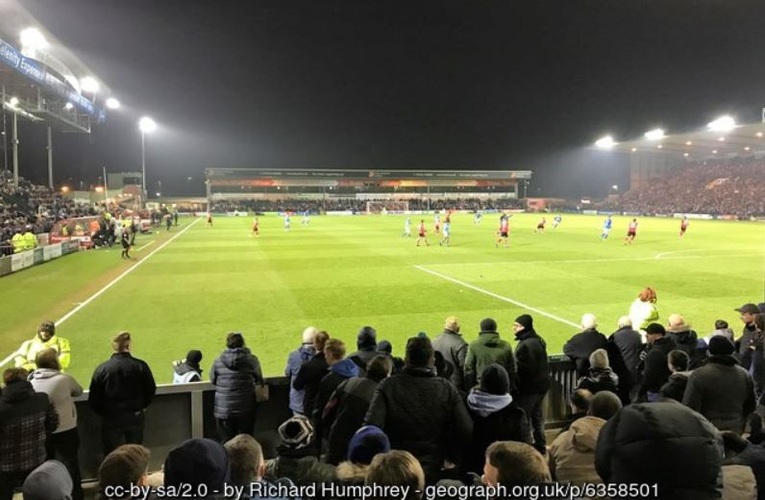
(749, 309)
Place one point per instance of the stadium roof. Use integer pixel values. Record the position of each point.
(741, 140)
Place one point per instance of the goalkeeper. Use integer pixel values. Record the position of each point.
(46, 339)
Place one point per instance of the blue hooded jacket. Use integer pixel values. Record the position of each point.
(295, 360)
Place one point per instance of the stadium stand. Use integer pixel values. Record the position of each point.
(361, 205)
(733, 187)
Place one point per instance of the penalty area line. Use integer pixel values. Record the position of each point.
(109, 285)
(498, 297)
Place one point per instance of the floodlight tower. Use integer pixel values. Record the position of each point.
(146, 125)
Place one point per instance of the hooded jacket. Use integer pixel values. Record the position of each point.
(234, 374)
(687, 341)
(495, 418)
(184, 373)
(572, 454)
(340, 371)
(422, 414)
(295, 361)
(723, 392)
(489, 348)
(60, 388)
(531, 359)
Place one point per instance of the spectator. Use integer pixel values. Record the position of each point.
(533, 376)
(196, 463)
(188, 370)
(655, 366)
(297, 455)
(64, 443)
(572, 454)
(46, 339)
(310, 374)
(600, 376)
(721, 328)
(397, 468)
(247, 465)
(495, 417)
(721, 390)
(686, 340)
(344, 413)
(488, 348)
(678, 380)
(662, 443)
(120, 391)
(27, 418)
(751, 345)
(126, 466)
(340, 369)
(643, 310)
(296, 359)
(386, 348)
(580, 405)
(512, 464)
(234, 374)
(739, 451)
(420, 412)
(630, 345)
(366, 443)
(584, 343)
(50, 481)
(366, 342)
(453, 348)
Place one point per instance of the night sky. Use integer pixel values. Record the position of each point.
(478, 84)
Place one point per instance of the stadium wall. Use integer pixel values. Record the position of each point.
(19, 261)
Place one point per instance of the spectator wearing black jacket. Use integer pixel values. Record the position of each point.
(366, 343)
(600, 376)
(422, 413)
(678, 381)
(310, 374)
(655, 368)
(687, 340)
(27, 418)
(345, 411)
(739, 451)
(584, 343)
(234, 374)
(721, 390)
(453, 348)
(495, 417)
(533, 375)
(630, 344)
(340, 369)
(120, 391)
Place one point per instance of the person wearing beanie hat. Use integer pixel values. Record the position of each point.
(364, 445)
(495, 417)
(420, 412)
(453, 348)
(655, 366)
(486, 349)
(366, 343)
(197, 462)
(533, 375)
(386, 348)
(188, 370)
(298, 452)
(295, 361)
(50, 481)
(721, 390)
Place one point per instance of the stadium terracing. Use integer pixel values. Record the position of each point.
(44, 82)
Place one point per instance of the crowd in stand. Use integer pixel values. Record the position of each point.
(729, 187)
(359, 206)
(657, 404)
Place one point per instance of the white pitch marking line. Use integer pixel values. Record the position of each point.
(583, 261)
(110, 284)
(146, 245)
(499, 297)
(660, 255)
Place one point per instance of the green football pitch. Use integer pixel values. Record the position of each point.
(189, 287)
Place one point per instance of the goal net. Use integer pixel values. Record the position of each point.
(387, 206)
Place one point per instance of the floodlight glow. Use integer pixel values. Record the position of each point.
(722, 124)
(89, 84)
(685, 154)
(65, 189)
(721, 139)
(654, 135)
(99, 189)
(758, 134)
(68, 106)
(32, 38)
(112, 103)
(714, 151)
(146, 124)
(634, 149)
(688, 143)
(746, 148)
(14, 102)
(615, 187)
(606, 142)
(659, 146)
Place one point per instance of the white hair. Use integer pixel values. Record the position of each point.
(624, 321)
(309, 334)
(589, 321)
